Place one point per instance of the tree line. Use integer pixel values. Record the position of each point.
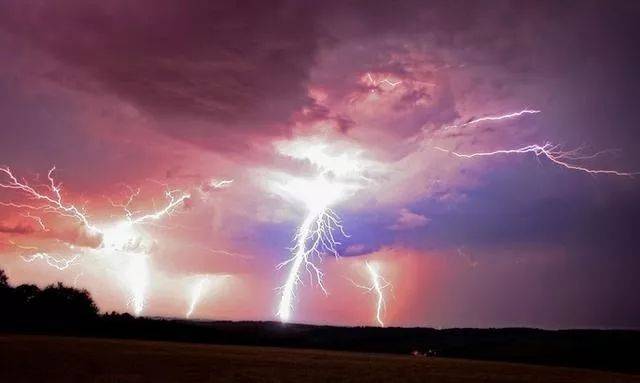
(54, 304)
(62, 310)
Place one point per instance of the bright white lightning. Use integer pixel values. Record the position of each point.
(341, 173)
(54, 203)
(169, 207)
(196, 294)
(314, 236)
(173, 202)
(136, 277)
(552, 153)
(494, 118)
(378, 285)
(51, 203)
(55, 262)
(203, 284)
(120, 237)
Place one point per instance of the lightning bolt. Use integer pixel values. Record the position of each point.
(120, 237)
(38, 220)
(170, 207)
(57, 263)
(386, 81)
(196, 294)
(203, 284)
(220, 184)
(313, 237)
(494, 118)
(136, 277)
(50, 203)
(340, 175)
(378, 285)
(553, 153)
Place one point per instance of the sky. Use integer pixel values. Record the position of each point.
(212, 113)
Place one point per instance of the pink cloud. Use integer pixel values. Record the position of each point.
(408, 220)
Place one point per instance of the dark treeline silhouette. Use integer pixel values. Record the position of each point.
(56, 305)
(62, 310)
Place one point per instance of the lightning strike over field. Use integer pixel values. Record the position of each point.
(494, 118)
(378, 285)
(196, 294)
(120, 237)
(136, 277)
(553, 153)
(316, 235)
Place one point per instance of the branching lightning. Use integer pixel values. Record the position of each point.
(378, 285)
(49, 203)
(38, 220)
(120, 237)
(314, 237)
(494, 118)
(341, 173)
(386, 81)
(566, 158)
(553, 153)
(55, 262)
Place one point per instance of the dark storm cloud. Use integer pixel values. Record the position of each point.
(236, 69)
(220, 74)
(223, 74)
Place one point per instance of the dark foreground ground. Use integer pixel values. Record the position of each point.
(65, 359)
(606, 350)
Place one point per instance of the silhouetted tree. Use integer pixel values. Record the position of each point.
(4, 281)
(28, 305)
(26, 293)
(60, 302)
(5, 294)
(22, 302)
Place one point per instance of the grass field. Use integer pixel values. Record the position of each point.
(58, 359)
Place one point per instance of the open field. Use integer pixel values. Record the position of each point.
(61, 359)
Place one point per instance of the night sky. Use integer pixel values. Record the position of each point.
(169, 95)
